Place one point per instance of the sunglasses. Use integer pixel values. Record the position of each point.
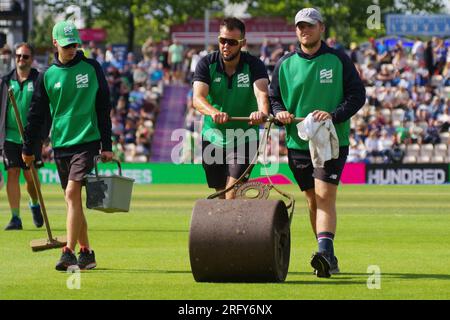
(23, 56)
(231, 42)
(71, 46)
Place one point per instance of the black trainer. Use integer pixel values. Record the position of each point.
(334, 268)
(37, 215)
(14, 224)
(86, 259)
(321, 264)
(68, 259)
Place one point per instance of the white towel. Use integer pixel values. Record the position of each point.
(322, 137)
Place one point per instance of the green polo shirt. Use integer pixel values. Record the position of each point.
(233, 95)
(22, 93)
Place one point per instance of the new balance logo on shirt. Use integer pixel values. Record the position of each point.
(326, 76)
(82, 80)
(243, 80)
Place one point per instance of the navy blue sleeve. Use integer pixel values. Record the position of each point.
(257, 69)
(103, 107)
(354, 91)
(38, 116)
(276, 101)
(202, 71)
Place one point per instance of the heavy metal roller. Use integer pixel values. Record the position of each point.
(242, 240)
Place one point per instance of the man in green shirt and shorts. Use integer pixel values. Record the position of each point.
(22, 81)
(74, 92)
(323, 81)
(230, 83)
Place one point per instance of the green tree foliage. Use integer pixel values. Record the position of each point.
(42, 31)
(130, 21)
(345, 19)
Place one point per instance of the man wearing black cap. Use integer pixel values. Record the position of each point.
(320, 80)
(75, 93)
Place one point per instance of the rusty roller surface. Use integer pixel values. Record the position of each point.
(239, 241)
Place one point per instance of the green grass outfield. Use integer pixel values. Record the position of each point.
(404, 230)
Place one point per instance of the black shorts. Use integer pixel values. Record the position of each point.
(76, 166)
(301, 166)
(232, 163)
(12, 156)
(176, 66)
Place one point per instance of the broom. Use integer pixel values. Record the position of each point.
(50, 242)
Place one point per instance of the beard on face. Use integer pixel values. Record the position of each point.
(23, 66)
(311, 44)
(230, 57)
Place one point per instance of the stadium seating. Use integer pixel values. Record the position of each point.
(445, 137)
(438, 159)
(426, 150)
(424, 159)
(413, 150)
(440, 150)
(409, 159)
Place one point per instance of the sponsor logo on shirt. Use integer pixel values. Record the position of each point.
(326, 76)
(243, 80)
(30, 87)
(57, 85)
(217, 80)
(82, 80)
(333, 176)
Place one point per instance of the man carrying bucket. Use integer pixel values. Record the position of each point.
(74, 91)
(321, 81)
(230, 83)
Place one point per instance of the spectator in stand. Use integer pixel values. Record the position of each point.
(395, 154)
(175, 59)
(418, 51)
(383, 54)
(109, 55)
(385, 76)
(93, 49)
(117, 127)
(385, 144)
(399, 60)
(440, 53)
(444, 118)
(372, 144)
(410, 113)
(429, 60)
(432, 133)
(264, 52)
(130, 131)
(148, 49)
(194, 57)
(435, 108)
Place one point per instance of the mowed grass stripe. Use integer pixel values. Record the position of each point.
(144, 254)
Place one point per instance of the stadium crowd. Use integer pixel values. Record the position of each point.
(406, 117)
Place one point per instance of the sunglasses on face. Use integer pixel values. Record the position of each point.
(231, 42)
(71, 46)
(23, 56)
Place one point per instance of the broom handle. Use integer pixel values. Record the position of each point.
(34, 173)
